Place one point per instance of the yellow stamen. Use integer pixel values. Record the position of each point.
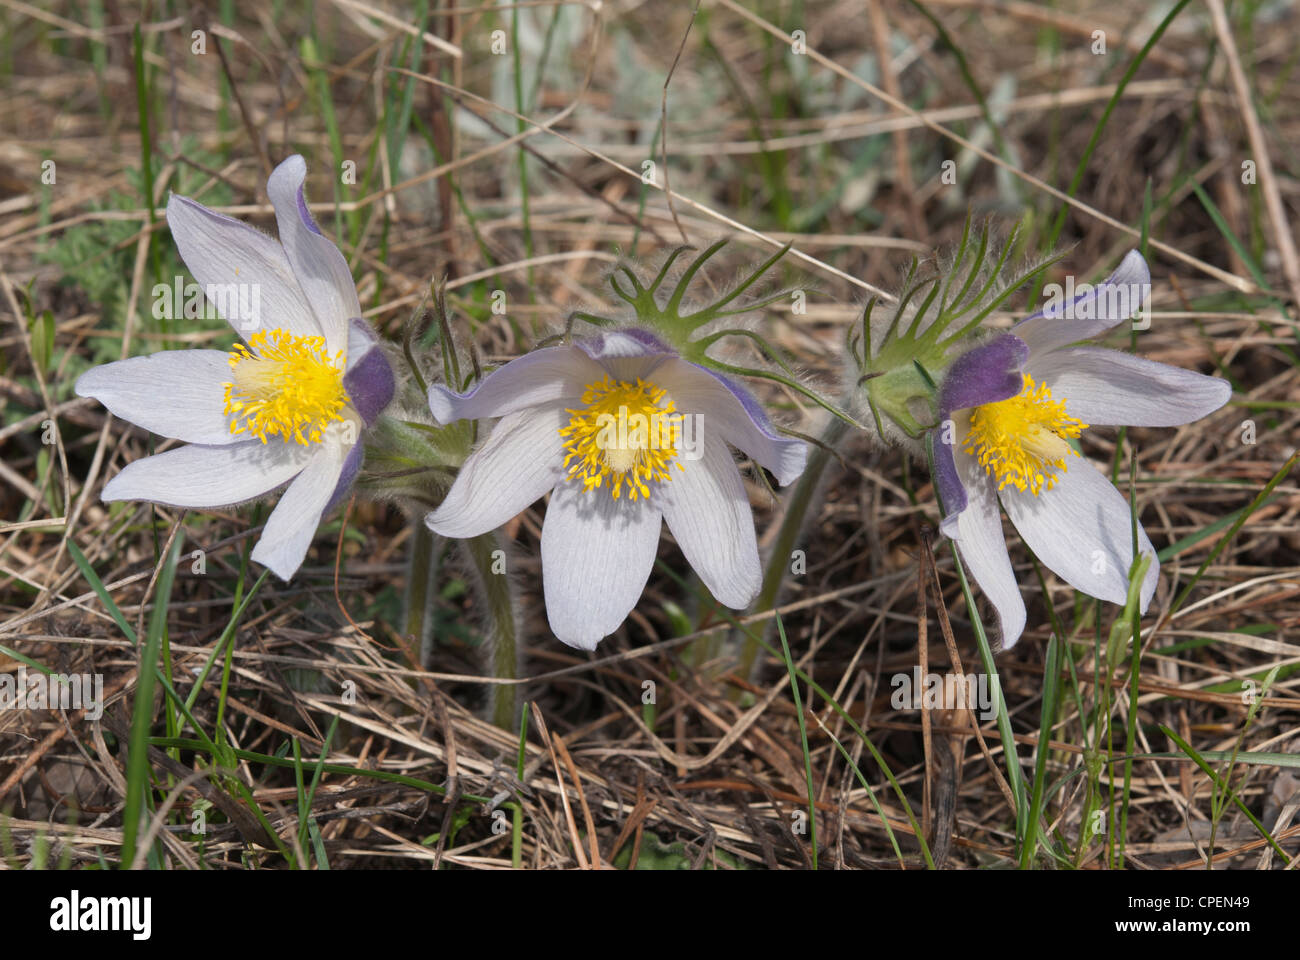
(1022, 441)
(625, 432)
(285, 386)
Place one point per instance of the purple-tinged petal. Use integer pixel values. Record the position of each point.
(597, 553)
(545, 376)
(369, 378)
(319, 266)
(190, 380)
(734, 413)
(1108, 388)
(1082, 530)
(243, 272)
(706, 509)
(977, 533)
(292, 524)
(202, 476)
(1090, 313)
(991, 372)
(519, 462)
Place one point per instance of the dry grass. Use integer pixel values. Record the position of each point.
(763, 144)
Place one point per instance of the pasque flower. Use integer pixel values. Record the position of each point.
(1008, 410)
(622, 432)
(285, 407)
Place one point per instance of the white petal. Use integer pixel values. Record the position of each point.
(1100, 307)
(1082, 530)
(709, 514)
(293, 522)
(203, 476)
(318, 264)
(977, 531)
(597, 553)
(727, 409)
(175, 393)
(240, 265)
(543, 376)
(1107, 387)
(517, 465)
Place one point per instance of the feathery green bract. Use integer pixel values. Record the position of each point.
(903, 353)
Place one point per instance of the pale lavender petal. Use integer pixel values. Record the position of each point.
(238, 265)
(202, 476)
(1107, 387)
(1091, 313)
(319, 266)
(730, 411)
(1082, 530)
(546, 376)
(292, 524)
(709, 515)
(977, 532)
(515, 466)
(175, 393)
(597, 553)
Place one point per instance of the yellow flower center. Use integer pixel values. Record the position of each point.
(625, 432)
(284, 386)
(1022, 441)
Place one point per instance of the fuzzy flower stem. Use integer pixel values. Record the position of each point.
(421, 579)
(500, 634)
(797, 510)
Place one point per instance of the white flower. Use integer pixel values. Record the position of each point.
(561, 409)
(1014, 403)
(286, 408)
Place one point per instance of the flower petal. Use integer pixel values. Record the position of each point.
(626, 354)
(987, 374)
(174, 393)
(204, 476)
(237, 264)
(597, 553)
(1082, 530)
(320, 267)
(732, 412)
(292, 524)
(543, 376)
(369, 378)
(709, 515)
(977, 532)
(356, 454)
(519, 462)
(1092, 312)
(1107, 387)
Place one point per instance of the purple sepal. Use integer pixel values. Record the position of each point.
(952, 493)
(991, 372)
(987, 374)
(369, 379)
(347, 476)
